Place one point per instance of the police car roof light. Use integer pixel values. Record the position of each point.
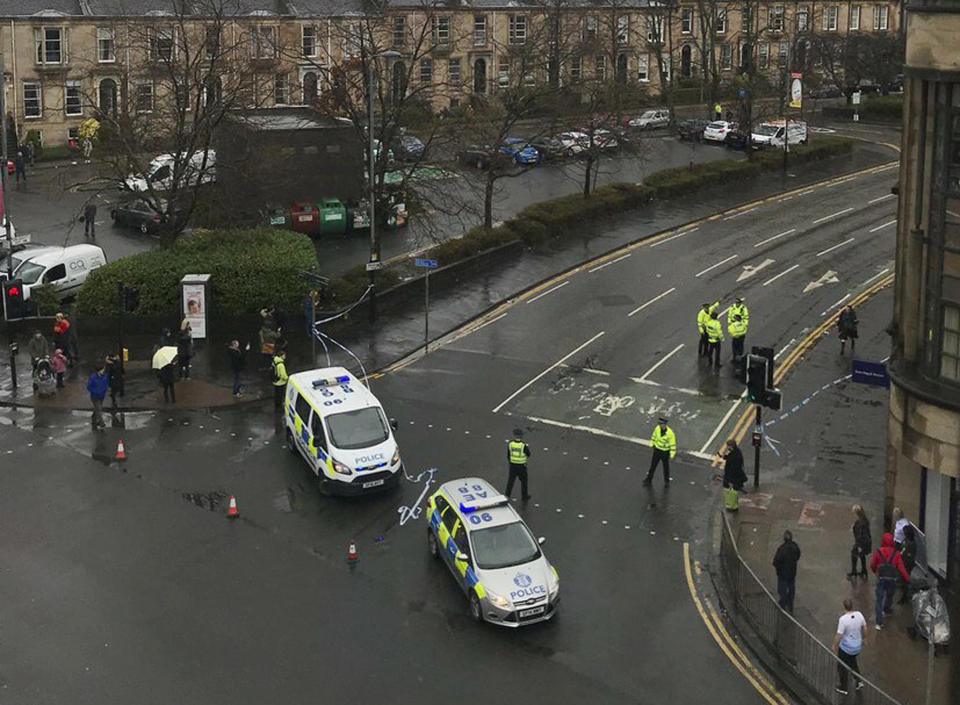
(330, 381)
(495, 501)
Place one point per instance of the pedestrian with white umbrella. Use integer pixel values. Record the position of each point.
(163, 362)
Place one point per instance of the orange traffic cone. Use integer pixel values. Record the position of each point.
(121, 452)
(352, 555)
(232, 511)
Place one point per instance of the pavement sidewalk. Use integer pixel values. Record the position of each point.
(833, 455)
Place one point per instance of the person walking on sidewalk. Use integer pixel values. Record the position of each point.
(19, 167)
(61, 334)
(734, 477)
(517, 454)
(847, 328)
(785, 562)
(664, 443)
(279, 378)
(58, 363)
(886, 563)
(900, 523)
(848, 642)
(38, 348)
(862, 542)
(185, 348)
(908, 551)
(97, 385)
(238, 358)
(115, 378)
(167, 376)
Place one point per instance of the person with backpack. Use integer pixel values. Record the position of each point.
(887, 563)
(862, 542)
(279, 378)
(847, 328)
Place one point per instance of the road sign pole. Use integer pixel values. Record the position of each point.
(5, 209)
(426, 313)
(758, 440)
(313, 327)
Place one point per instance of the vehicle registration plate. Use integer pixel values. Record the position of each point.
(304, 218)
(374, 483)
(531, 612)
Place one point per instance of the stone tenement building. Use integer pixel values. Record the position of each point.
(68, 59)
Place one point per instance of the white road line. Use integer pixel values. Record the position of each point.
(492, 320)
(715, 266)
(558, 362)
(662, 360)
(674, 237)
(885, 225)
(785, 271)
(832, 215)
(882, 198)
(875, 276)
(887, 167)
(723, 422)
(784, 349)
(838, 245)
(652, 301)
(834, 305)
(771, 239)
(607, 264)
(548, 291)
(737, 215)
(785, 198)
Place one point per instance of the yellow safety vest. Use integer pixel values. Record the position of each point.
(702, 318)
(518, 452)
(739, 310)
(714, 331)
(280, 372)
(665, 440)
(737, 329)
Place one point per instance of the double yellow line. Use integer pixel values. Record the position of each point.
(743, 423)
(767, 690)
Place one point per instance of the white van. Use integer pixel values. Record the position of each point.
(159, 172)
(67, 268)
(770, 134)
(341, 430)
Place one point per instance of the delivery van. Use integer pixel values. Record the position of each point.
(67, 268)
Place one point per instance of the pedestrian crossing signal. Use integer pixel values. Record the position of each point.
(13, 303)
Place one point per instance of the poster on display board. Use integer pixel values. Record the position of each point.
(796, 89)
(194, 303)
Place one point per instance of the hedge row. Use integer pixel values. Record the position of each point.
(886, 108)
(250, 269)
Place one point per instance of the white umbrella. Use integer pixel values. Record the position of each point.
(164, 356)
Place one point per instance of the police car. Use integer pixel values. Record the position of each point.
(341, 430)
(491, 553)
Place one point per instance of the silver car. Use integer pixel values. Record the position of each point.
(491, 553)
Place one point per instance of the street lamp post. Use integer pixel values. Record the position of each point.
(375, 263)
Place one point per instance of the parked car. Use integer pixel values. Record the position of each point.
(651, 119)
(737, 139)
(521, 150)
(717, 130)
(549, 147)
(159, 172)
(604, 139)
(691, 130)
(478, 155)
(137, 213)
(407, 148)
(827, 90)
(573, 142)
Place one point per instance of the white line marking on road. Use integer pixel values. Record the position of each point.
(652, 301)
(771, 239)
(674, 237)
(723, 422)
(558, 362)
(834, 305)
(784, 349)
(606, 434)
(885, 225)
(492, 320)
(715, 266)
(737, 215)
(607, 264)
(882, 198)
(662, 360)
(837, 183)
(750, 270)
(785, 198)
(548, 291)
(876, 276)
(832, 215)
(838, 245)
(785, 271)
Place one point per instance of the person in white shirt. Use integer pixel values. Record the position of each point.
(899, 521)
(849, 640)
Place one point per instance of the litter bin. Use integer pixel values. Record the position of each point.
(277, 217)
(304, 217)
(333, 217)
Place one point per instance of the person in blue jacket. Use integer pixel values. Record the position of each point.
(97, 384)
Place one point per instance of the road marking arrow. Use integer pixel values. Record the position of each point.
(749, 270)
(828, 278)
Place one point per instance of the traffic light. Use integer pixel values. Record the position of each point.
(756, 378)
(13, 303)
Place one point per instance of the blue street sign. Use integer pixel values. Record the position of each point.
(741, 93)
(428, 263)
(867, 372)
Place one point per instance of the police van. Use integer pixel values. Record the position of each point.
(340, 429)
(491, 553)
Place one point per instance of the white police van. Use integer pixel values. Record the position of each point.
(340, 429)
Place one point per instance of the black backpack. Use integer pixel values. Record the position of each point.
(887, 570)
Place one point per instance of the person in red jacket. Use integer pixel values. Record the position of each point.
(887, 563)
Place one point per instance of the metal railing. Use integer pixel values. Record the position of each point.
(796, 649)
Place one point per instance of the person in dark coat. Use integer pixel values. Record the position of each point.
(115, 378)
(167, 375)
(238, 359)
(185, 348)
(847, 328)
(733, 473)
(908, 552)
(90, 219)
(19, 167)
(785, 561)
(862, 542)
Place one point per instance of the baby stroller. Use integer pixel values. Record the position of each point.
(44, 382)
(930, 615)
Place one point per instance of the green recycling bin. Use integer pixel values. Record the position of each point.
(333, 217)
